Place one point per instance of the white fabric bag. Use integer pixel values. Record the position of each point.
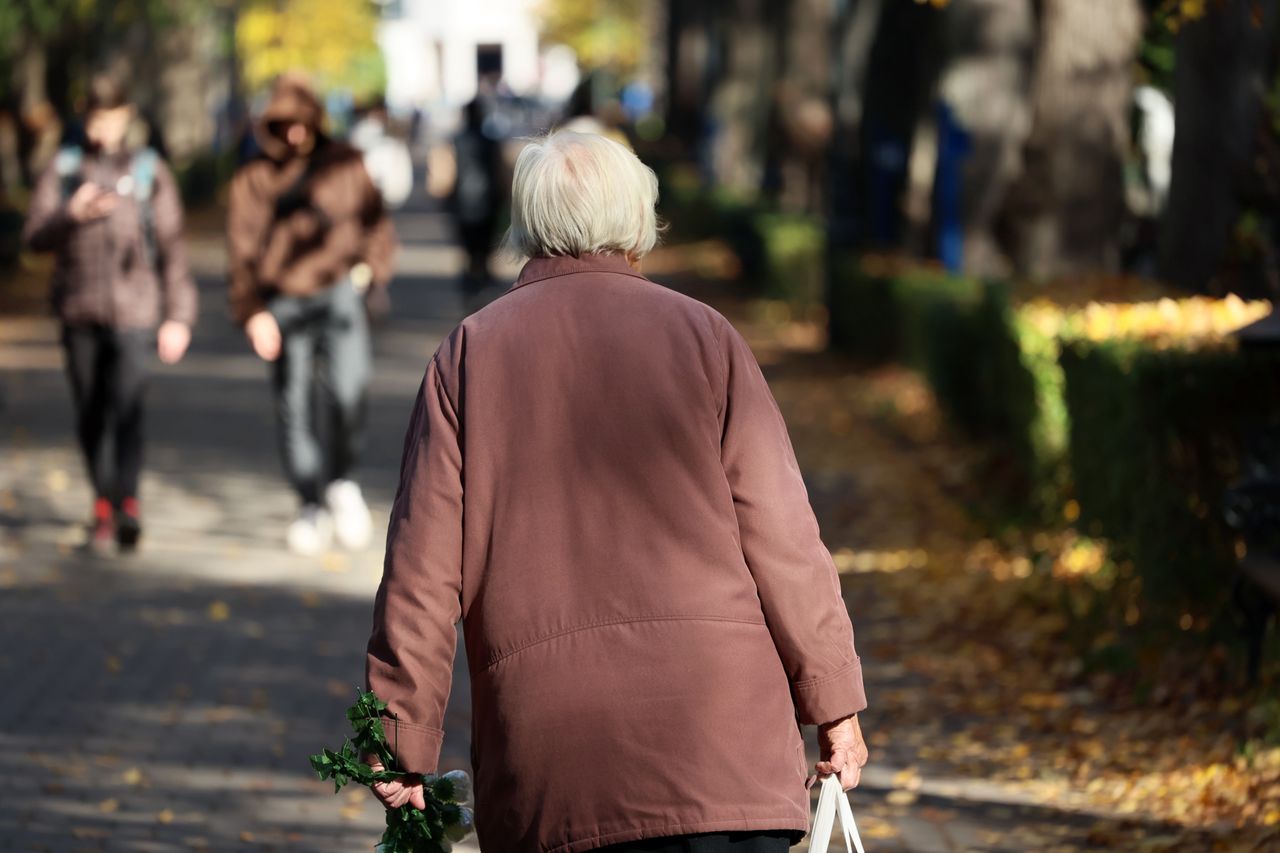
(833, 799)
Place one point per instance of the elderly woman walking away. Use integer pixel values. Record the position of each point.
(597, 481)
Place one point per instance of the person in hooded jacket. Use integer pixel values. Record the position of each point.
(122, 288)
(597, 482)
(310, 244)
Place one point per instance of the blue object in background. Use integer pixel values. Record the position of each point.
(637, 100)
(954, 146)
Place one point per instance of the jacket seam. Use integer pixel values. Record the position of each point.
(789, 822)
(443, 389)
(856, 663)
(494, 660)
(722, 391)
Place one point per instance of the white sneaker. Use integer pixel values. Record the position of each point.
(352, 525)
(311, 532)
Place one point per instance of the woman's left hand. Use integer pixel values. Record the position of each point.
(843, 751)
(396, 793)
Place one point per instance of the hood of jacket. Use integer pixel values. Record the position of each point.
(292, 101)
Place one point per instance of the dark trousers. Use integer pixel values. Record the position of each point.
(108, 372)
(477, 242)
(779, 841)
(319, 382)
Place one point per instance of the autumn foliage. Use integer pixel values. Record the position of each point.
(332, 39)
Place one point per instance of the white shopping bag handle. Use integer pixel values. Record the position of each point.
(833, 799)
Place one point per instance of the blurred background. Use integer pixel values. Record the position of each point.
(1009, 266)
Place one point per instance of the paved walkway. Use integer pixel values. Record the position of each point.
(168, 701)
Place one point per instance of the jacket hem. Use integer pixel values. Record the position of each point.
(643, 831)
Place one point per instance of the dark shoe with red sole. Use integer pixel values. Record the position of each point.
(102, 530)
(128, 524)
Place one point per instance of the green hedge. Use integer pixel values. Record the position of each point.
(1155, 435)
(782, 255)
(1025, 398)
(693, 212)
(1144, 436)
(992, 370)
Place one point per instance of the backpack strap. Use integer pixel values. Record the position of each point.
(67, 163)
(143, 170)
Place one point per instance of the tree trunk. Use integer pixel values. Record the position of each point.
(990, 48)
(900, 84)
(1068, 207)
(740, 103)
(801, 119)
(852, 37)
(188, 82)
(31, 69)
(1220, 81)
(688, 71)
(41, 127)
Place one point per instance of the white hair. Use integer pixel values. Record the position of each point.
(580, 193)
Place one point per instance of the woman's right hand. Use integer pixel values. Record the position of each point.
(396, 793)
(90, 202)
(264, 334)
(843, 751)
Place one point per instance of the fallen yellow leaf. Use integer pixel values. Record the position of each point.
(901, 798)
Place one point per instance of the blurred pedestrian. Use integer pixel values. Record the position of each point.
(477, 195)
(113, 217)
(386, 157)
(648, 608)
(311, 246)
(583, 115)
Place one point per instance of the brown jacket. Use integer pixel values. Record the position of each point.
(298, 224)
(597, 481)
(104, 273)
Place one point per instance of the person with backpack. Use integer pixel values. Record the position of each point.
(121, 287)
(311, 249)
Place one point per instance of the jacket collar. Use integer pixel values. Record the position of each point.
(540, 269)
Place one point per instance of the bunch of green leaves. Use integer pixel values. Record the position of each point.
(409, 829)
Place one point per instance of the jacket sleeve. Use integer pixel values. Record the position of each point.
(409, 662)
(793, 571)
(247, 221)
(48, 224)
(181, 299)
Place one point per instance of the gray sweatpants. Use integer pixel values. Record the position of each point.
(319, 382)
